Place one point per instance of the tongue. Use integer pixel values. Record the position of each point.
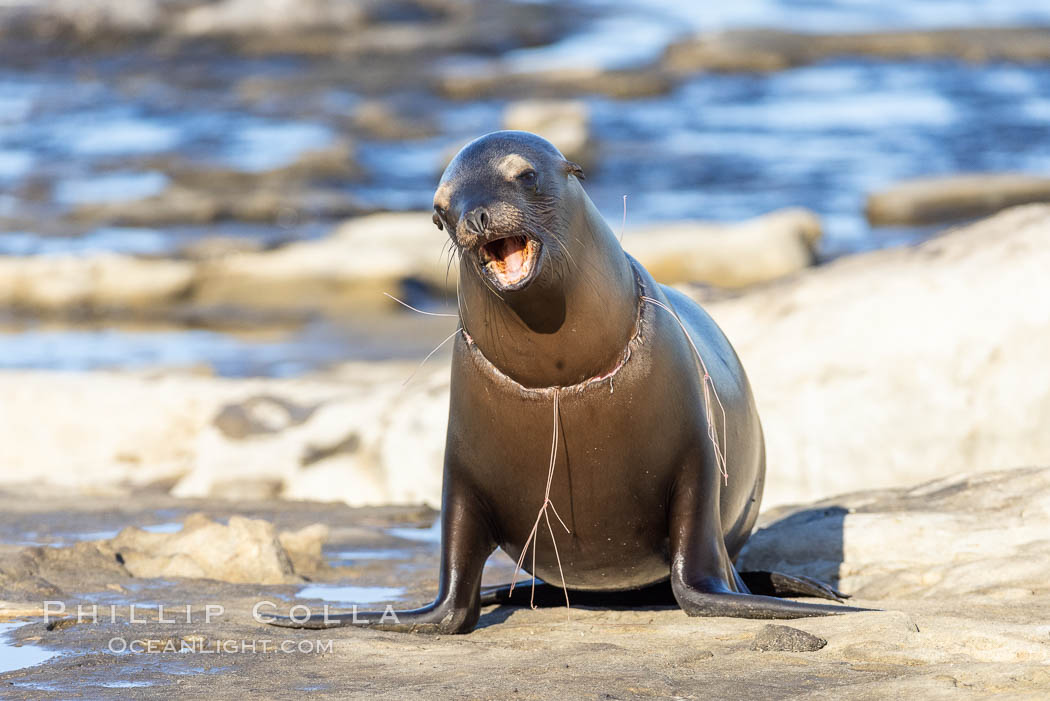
(513, 260)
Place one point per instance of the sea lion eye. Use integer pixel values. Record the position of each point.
(439, 214)
(527, 178)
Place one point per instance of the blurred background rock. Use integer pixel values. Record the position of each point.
(193, 192)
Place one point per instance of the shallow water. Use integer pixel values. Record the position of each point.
(344, 557)
(173, 527)
(730, 146)
(277, 353)
(13, 656)
(71, 349)
(652, 24)
(349, 595)
(720, 147)
(422, 535)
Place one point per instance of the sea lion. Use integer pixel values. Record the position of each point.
(580, 421)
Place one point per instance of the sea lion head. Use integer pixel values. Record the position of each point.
(498, 199)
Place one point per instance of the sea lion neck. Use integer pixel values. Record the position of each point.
(574, 321)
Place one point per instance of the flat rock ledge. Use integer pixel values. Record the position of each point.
(346, 271)
(870, 372)
(974, 631)
(773, 50)
(953, 198)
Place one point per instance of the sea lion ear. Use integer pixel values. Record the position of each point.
(574, 169)
(437, 222)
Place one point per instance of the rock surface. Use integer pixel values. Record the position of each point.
(369, 440)
(905, 364)
(734, 256)
(985, 536)
(786, 639)
(489, 79)
(369, 255)
(771, 50)
(245, 550)
(232, 438)
(310, 27)
(197, 194)
(869, 372)
(347, 269)
(562, 122)
(381, 120)
(986, 636)
(98, 283)
(953, 198)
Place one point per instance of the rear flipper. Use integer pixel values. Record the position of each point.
(713, 598)
(547, 595)
(705, 595)
(768, 584)
(779, 584)
(704, 580)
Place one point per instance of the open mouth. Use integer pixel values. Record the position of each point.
(509, 260)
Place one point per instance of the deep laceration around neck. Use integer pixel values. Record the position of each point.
(619, 357)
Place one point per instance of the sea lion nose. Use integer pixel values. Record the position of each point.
(477, 220)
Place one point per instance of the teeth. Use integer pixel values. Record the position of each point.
(511, 267)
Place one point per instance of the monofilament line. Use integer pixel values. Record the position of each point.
(709, 389)
(438, 347)
(532, 539)
(430, 354)
(623, 224)
(409, 306)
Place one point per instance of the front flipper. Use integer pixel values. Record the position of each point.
(465, 545)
